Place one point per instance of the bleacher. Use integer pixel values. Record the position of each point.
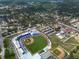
(22, 47)
(24, 36)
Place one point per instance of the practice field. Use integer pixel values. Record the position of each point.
(39, 42)
(72, 40)
(57, 52)
(57, 42)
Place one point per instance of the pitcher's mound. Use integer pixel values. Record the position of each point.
(29, 41)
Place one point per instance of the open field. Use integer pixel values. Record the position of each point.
(57, 52)
(38, 44)
(72, 40)
(57, 42)
(76, 55)
(68, 47)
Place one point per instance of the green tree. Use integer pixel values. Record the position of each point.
(6, 42)
(9, 54)
(0, 50)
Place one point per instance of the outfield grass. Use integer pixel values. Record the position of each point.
(39, 43)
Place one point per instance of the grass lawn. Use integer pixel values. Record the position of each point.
(57, 42)
(57, 52)
(76, 55)
(0, 56)
(9, 54)
(39, 43)
(72, 40)
(68, 47)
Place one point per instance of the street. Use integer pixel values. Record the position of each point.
(1, 44)
(69, 26)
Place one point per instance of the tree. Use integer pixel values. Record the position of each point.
(0, 50)
(9, 54)
(6, 42)
(71, 56)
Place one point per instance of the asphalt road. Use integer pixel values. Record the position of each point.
(1, 41)
(1, 44)
(69, 26)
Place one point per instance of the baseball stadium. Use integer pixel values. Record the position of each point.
(29, 44)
